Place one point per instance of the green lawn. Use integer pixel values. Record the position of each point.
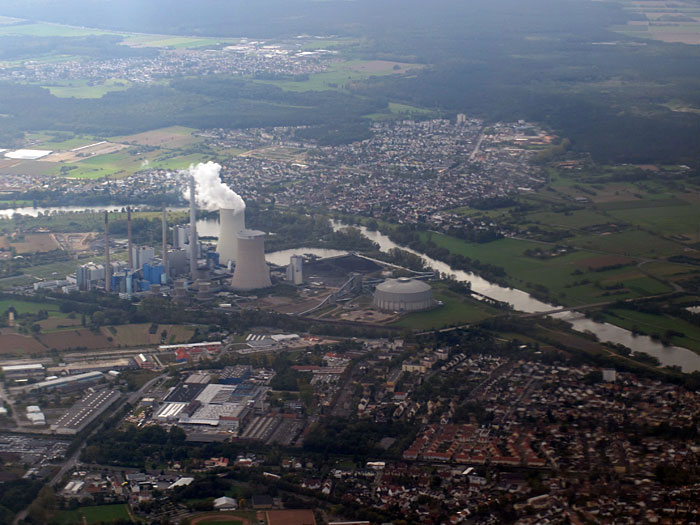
(456, 309)
(26, 307)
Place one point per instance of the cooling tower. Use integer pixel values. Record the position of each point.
(251, 271)
(230, 223)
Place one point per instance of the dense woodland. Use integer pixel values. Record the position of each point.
(498, 60)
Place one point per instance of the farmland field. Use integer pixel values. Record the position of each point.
(138, 334)
(15, 344)
(657, 326)
(171, 137)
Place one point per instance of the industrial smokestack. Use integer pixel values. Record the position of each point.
(128, 233)
(251, 271)
(231, 221)
(193, 232)
(164, 247)
(108, 265)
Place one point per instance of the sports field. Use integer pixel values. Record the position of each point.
(92, 515)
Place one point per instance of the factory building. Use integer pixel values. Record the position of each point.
(181, 236)
(251, 271)
(295, 270)
(85, 411)
(142, 255)
(88, 275)
(23, 372)
(177, 263)
(154, 273)
(75, 382)
(403, 295)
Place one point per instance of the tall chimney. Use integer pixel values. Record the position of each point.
(164, 247)
(108, 266)
(128, 230)
(193, 232)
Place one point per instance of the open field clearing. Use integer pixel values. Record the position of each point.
(138, 334)
(85, 88)
(456, 309)
(46, 29)
(174, 42)
(35, 243)
(635, 243)
(171, 137)
(29, 167)
(60, 141)
(12, 343)
(395, 110)
(668, 22)
(676, 219)
(341, 73)
(73, 339)
(80, 153)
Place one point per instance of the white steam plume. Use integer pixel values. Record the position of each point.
(210, 193)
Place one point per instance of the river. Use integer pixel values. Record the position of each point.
(687, 360)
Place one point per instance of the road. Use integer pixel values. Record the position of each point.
(72, 460)
(476, 148)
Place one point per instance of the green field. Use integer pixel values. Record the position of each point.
(85, 88)
(60, 141)
(92, 515)
(338, 75)
(656, 325)
(26, 307)
(566, 278)
(635, 243)
(396, 110)
(455, 310)
(175, 42)
(44, 29)
(675, 219)
(122, 164)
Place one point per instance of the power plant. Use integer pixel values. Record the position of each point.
(231, 221)
(193, 230)
(128, 234)
(108, 266)
(164, 245)
(251, 271)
